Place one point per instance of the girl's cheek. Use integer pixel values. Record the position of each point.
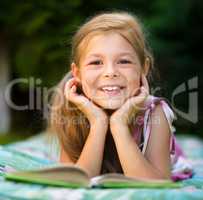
(85, 89)
(88, 89)
(135, 88)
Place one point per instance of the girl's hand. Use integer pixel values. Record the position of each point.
(130, 108)
(93, 113)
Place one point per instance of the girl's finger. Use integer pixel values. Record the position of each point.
(139, 100)
(70, 87)
(73, 89)
(144, 91)
(145, 83)
(70, 83)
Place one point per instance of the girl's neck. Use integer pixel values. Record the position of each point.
(109, 112)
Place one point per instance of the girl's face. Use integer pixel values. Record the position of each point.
(109, 70)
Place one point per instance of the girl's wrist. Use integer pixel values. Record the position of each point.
(102, 119)
(117, 128)
(99, 123)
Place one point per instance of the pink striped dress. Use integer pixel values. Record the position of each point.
(180, 168)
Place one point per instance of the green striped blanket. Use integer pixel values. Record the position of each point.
(37, 152)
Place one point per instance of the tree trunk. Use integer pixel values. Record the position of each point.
(5, 117)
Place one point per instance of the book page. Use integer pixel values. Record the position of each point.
(53, 175)
(116, 180)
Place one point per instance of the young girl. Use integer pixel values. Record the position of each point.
(106, 121)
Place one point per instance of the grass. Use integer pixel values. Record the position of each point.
(6, 138)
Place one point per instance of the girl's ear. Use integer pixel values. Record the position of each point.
(75, 70)
(146, 66)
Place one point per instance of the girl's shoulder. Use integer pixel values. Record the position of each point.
(142, 118)
(143, 125)
(152, 102)
(150, 105)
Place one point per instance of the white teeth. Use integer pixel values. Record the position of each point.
(111, 88)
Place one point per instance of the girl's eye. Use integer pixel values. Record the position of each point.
(96, 62)
(124, 61)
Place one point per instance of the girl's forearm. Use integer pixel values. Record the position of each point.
(133, 162)
(92, 154)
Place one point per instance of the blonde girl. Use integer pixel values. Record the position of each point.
(106, 120)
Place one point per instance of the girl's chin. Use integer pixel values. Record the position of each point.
(110, 105)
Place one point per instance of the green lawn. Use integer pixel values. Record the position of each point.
(11, 137)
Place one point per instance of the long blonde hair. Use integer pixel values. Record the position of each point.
(66, 120)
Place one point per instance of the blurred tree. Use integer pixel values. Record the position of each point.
(5, 116)
(38, 32)
(176, 33)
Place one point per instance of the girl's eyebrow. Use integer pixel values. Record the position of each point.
(126, 54)
(120, 54)
(94, 55)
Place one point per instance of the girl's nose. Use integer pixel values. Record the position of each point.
(110, 71)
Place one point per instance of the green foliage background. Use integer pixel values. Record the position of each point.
(38, 34)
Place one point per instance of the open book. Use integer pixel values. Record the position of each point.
(74, 177)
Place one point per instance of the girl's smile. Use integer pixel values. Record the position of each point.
(112, 90)
(109, 70)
